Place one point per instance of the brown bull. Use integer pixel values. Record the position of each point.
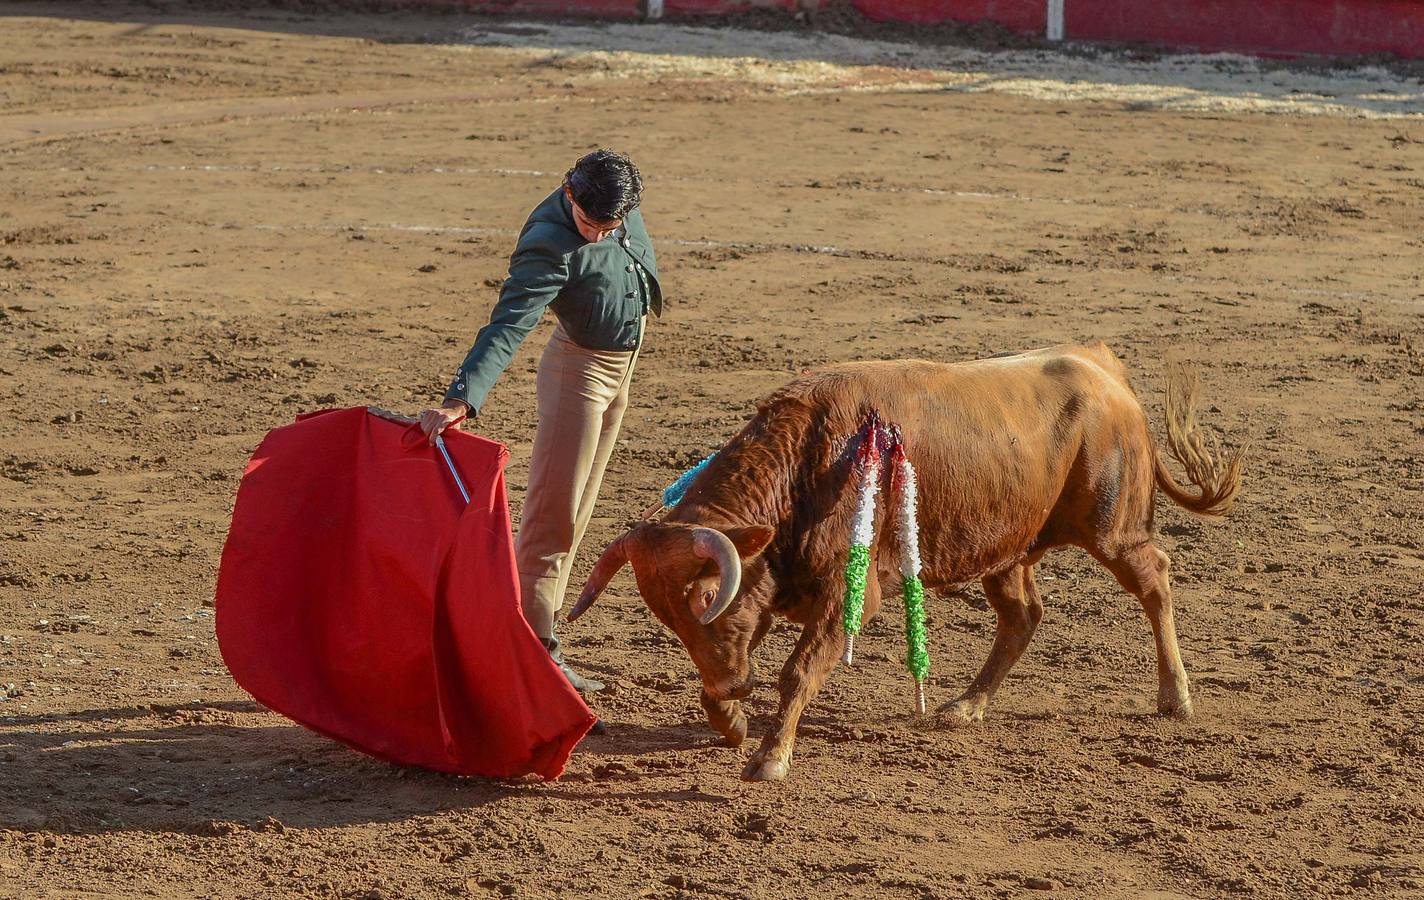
(1015, 455)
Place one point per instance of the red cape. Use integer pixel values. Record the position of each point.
(360, 596)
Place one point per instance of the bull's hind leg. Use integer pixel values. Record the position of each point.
(1014, 596)
(1143, 572)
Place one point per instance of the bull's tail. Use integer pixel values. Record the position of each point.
(1215, 473)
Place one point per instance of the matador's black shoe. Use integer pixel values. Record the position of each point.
(581, 684)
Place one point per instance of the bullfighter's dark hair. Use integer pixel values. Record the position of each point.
(605, 184)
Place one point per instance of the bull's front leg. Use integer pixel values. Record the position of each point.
(816, 653)
(726, 717)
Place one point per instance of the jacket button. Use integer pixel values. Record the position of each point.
(630, 295)
(630, 267)
(625, 240)
(459, 387)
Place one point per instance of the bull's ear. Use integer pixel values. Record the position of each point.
(750, 540)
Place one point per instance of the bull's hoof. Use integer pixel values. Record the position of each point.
(735, 732)
(960, 714)
(726, 718)
(765, 770)
(1175, 709)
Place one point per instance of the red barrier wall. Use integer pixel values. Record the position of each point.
(1268, 27)
(602, 9)
(1017, 15)
(1274, 27)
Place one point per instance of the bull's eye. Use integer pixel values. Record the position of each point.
(702, 602)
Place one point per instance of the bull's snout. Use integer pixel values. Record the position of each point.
(741, 691)
(730, 689)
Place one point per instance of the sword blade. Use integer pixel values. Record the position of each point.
(454, 473)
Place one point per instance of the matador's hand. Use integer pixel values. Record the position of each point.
(433, 421)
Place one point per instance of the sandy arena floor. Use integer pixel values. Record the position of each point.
(211, 222)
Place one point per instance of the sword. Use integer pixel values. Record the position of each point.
(439, 444)
(454, 473)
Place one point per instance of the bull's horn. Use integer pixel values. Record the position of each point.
(709, 543)
(614, 557)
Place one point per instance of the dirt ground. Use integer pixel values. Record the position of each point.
(210, 222)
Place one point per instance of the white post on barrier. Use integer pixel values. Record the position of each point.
(1055, 20)
(652, 9)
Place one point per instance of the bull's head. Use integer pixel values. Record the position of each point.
(691, 577)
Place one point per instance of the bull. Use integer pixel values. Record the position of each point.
(1016, 455)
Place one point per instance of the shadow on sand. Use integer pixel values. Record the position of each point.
(200, 769)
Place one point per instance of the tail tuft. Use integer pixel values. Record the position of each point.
(1215, 473)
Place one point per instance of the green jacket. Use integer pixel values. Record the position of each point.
(600, 292)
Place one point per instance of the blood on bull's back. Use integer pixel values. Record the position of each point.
(1009, 450)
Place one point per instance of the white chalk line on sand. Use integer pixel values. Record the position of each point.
(1001, 196)
(509, 232)
(820, 249)
(318, 169)
(1005, 196)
